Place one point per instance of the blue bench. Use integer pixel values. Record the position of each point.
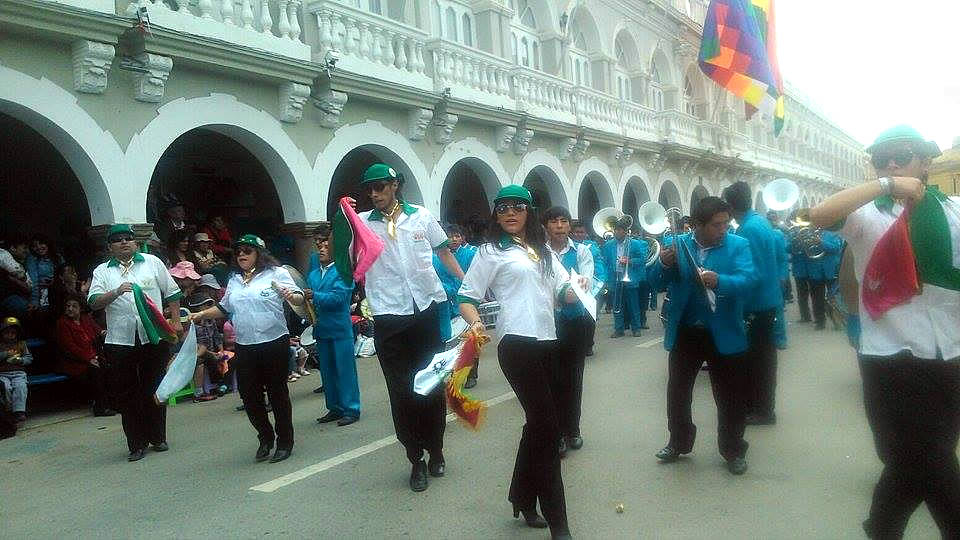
(45, 378)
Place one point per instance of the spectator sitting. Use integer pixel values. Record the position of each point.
(15, 284)
(67, 283)
(178, 248)
(222, 238)
(40, 266)
(206, 261)
(14, 357)
(210, 351)
(156, 247)
(173, 220)
(81, 341)
(210, 287)
(186, 277)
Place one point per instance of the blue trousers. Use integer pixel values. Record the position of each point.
(780, 329)
(629, 307)
(338, 368)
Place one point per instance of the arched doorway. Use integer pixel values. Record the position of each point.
(212, 175)
(634, 196)
(758, 204)
(545, 187)
(669, 195)
(698, 193)
(346, 177)
(594, 195)
(468, 190)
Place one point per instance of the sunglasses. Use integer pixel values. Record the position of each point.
(120, 239)
(900, 157)
(378, 187)
(503, 208)
(246, 250)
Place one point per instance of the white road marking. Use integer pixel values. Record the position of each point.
(317, 468)
(651, 343)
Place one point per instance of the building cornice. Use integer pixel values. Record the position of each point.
(61, 22)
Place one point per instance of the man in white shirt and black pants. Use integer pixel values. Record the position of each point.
(910, 354)
(403, 290)
(134, 364)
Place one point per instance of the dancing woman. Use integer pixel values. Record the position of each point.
(528, 281)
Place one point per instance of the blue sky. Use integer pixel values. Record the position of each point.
(869, 65)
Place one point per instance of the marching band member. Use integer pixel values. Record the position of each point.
(820, 274)
(910, 353)
(783, 268)
(760, 305)
(574, 328)
(625, 256)
(528, 281)
(463, 252)
(578, 231)
(404, 291)
(254, 302)
(694, 333)
(800, 264)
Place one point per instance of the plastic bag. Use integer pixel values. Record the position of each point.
(364, 346)
(181, 369)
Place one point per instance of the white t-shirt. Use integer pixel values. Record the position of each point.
(8, 263)
(256, 308)
(403, 275)
(928, 325)
(527, 298)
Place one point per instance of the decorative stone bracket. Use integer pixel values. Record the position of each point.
(504, 137)
(566, 147)
(331, 105)
(522, 140)
(91, 65)
(443, 126)
(616, 153)
(418, 120)
(149, 85)
(580, 149)
(657, 162)
(626, 155)
(292, 97)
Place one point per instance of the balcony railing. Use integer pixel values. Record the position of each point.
(471, 74)
(543, 95)
(269, 25)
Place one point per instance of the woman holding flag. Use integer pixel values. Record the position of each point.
(529, 282)
(134, 350)
(254, 302)
(905, 240)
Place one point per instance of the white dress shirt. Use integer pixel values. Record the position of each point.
(256, 308)
(403, 276)
(925, 325)
(123, 321)
(527, 298)
(584, 259)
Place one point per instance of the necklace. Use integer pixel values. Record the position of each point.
(530, 251)
(392, 220)
(248, 275)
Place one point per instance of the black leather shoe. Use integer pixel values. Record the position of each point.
(264, 451)
(563, 447)
(575, 443)
(136, 455)
(590, 352)
(668, 454)
(737, 466)
(616, 335)
(346, 420)
(561, 535)
(644, 327)
(318, 390)
(160, 447)
(470, 382)
(532, 518)
(418, 476)
(280, 455)
(104, 412)
(329, 417)
(437, 467)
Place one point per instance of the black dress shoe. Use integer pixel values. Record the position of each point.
(590, 352)
(280, 455)
(437, 467)
(644, 327)
(418, 476)
(264, 451)
(737, 466)
(136, 455)
(561, 535)
(318, 390)
(563, 447)
(104, 412)
(668, 454)
(616, 335)
(532, 518)
(329, 417)
(346, 420)
(575, 443)
(160, 447)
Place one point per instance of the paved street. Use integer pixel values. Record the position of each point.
(810, 476)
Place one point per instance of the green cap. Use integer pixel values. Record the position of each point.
(514, 191)
(118, 229)
(379, 172)
(251, 240)
(904, 133)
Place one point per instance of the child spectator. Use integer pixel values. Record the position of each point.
(40, 267)
(222, 238)
(206, 261)
(210, 287)
(186, 277)
(14, 357)
(81, 341)
(15, 285)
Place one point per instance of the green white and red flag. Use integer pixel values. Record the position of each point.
(151, 316)
(355, 247)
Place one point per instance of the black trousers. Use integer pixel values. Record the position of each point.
(134, 372)
(94, 382)
(818, 297)
(575, 337)
(536, 475)
(913, 407)
(643, 290)
(406, 344)
(692, 348)
(260, 367)
(803, 298)
(761, 363)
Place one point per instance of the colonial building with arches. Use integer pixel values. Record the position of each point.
(277, 106)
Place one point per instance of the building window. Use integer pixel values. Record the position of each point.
(656, 89)
(513, 47)
(375, 7)
(451, 24)
(535, 47)
(467, 31)
(689, 105)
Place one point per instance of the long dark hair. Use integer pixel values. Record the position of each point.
(533, 235)
(265, 260)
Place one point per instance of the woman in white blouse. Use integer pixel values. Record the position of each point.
(528, 281)
(254, 302)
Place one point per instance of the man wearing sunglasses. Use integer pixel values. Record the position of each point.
(134, 363)
(404, 292)
(910, 354)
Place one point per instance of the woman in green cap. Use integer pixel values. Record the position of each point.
(530, 284)
(254, 301)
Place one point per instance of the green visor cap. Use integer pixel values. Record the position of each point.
(904, 133)
(118, 229)
(379, 172)
(513, 191)
(251, 240)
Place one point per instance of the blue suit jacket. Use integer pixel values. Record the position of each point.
(766, 293)
(599, 263)
(331, 302)
(800, 263)
(783, 255)
(464, 256)
(638, 257)
(825, 268)
(733, 263)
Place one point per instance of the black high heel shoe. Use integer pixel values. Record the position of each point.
(532, 518)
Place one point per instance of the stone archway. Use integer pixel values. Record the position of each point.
(594, 194)
(669, 195)
(346, 177)
(698, 193)
(467, 195)
(634, 195)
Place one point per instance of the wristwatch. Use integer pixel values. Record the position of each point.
(886, 185)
